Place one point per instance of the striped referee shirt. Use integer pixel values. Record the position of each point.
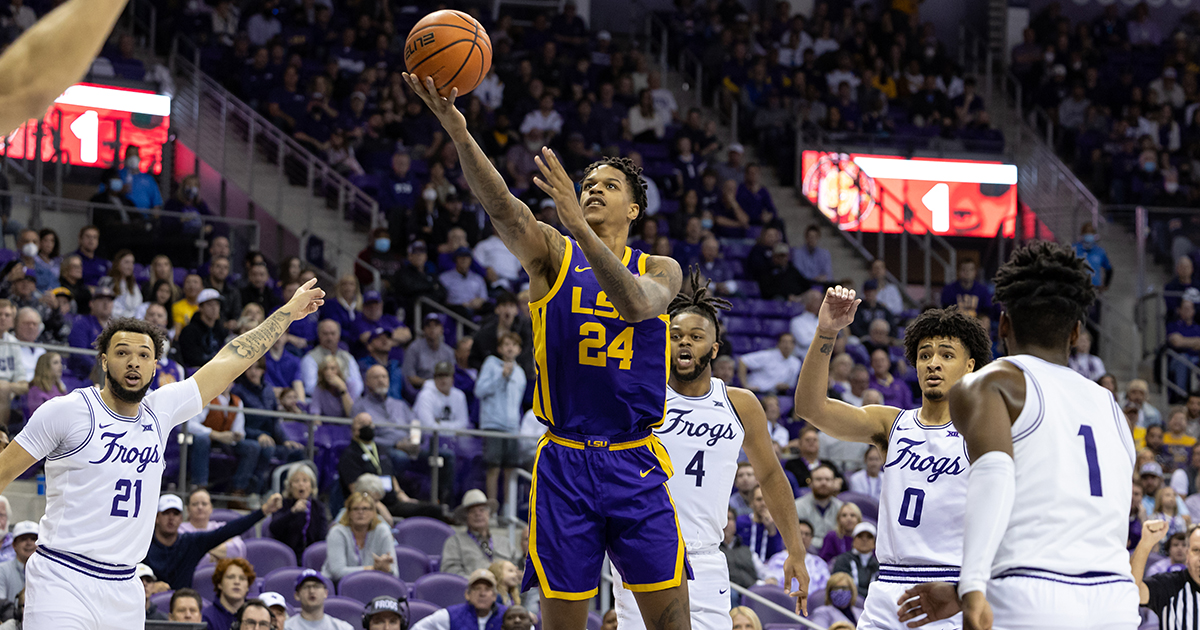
(1175, 598)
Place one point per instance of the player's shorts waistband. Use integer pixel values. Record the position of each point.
(704, 550)
(916, 573)
(1091, 578)
(600, 442)
(91, 568)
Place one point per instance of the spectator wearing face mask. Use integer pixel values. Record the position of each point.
(379, 255)
(187, 201)
(1095, 255)
(140, 186)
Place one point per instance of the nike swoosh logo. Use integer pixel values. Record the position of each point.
(647, 471)
(723, 591)
(903, 428)
(105, 426)
(579, 269)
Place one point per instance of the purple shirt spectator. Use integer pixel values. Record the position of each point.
(754, 203)
(284, 371)
(813, 262)
(835, 546)
(897, 394)
(951, 292)
(94, 268)
(755, 537)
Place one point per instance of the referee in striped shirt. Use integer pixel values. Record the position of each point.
(1173, 596)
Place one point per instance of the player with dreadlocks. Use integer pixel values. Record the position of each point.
(707, 425)
(599, 312)
(924, 486)
(1052, 456)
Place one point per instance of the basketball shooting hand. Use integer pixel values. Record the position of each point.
(441, 106)
(838, 309)
(305, 301)
(932, 600)
(794, 569)
(556, 183)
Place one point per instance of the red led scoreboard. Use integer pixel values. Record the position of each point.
(93, 124)
(879, 193)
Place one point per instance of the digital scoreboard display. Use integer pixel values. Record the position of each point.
(92, 125)
(880, 193)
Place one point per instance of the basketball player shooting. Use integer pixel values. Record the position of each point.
(707, 426)
(924, 489)
(1048, 498)
(52, 55)
(599, 313)
(104, 465)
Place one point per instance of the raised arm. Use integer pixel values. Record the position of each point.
(777, 492)
(14, 460)
(846, 422)
(1152, 534)
(242, 352)
(636, 297)
(53, 54)
(539, 247)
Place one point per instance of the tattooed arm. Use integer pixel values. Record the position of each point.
(238, 355)
(870, 424)
(538, 246)
(635, 297)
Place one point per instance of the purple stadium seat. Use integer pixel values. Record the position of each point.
(346, 609)
(868, 505)
(594, 620)
(418, 610)
(367, 585)
(776, 595)
(162, 601)
(783, 626)
(221, 515)
(180, 275)
(295, 431)
(202, 582)
(314, 556)
(411, 563)
(283, 581)
(267, 554)
(442, 589)
(330, 435)
(424, 534)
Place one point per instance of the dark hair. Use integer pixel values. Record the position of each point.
(241, 612)
(1045, 289)
(88, 227)
(699, 302)
(1181, 536)
(43, 233)
(953, 323)
(1191, 394)
(139, 326)
(506, 297)
(810, 525)
(633, 177)
(184, 593)
(825, 466)
(812, 227)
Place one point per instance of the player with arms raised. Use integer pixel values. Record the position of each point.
(104, 463)
(1048, 499)
(600, 321)
(707, 425)
(924, 481)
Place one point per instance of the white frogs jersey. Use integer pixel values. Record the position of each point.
(923, 500)
(703, 436)
(1074, 456)
(103, 473)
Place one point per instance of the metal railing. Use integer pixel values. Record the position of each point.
(265, 171)
(1170, 357)
(462, 325)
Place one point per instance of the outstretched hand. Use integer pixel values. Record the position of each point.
(838, 309)
(307, 299)
(442, 106)
(557, 183)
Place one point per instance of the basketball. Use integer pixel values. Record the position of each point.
(451, 47)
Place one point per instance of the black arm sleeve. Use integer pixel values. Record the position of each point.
(208, 540)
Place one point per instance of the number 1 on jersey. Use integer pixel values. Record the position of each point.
(1093, 462)
(124, 488)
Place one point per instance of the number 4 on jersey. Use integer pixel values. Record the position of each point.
(696, 468)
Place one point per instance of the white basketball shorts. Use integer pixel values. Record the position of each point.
(881, 612)
(67, 591)
(1039, 600)
(708, 595)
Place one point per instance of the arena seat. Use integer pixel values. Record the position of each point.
(346, 609)
(202, 582)
(418, 610)
(267, 554)
(442, 589)
(594, 620)
(868, 504)
(283, 581)
(423, 534)
(411, 563)
(222, 515)
(314, 556)
(162, 601)
(367, 585)
(776, 595)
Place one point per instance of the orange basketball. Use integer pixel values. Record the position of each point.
(451, 47)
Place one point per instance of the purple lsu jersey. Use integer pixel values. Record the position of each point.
(597, 374)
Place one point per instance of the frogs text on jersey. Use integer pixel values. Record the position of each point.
(677, 424)
(127, 455)
(906, 457)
